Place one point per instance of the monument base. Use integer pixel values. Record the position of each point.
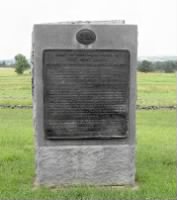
(88, 165)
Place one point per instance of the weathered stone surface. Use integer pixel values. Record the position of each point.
(77, 161)
(100, 165)
(86, 94)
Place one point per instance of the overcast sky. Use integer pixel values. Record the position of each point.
(156, 20)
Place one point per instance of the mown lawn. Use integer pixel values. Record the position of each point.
(14, 89)
(156, 144)
(153, 88)
(157, 89)
(156, 168)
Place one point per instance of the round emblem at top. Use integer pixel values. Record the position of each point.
(86, 36)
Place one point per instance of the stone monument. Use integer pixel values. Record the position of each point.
(84, 83)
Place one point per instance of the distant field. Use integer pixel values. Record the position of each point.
(153, 88)
(156, 161)
(157, 89)
(14, 89)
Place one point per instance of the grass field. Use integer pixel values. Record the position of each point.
(155, 160)
(156, 145)
(157, 89)
(153, 88)
(14, 89)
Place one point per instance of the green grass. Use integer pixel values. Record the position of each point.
(153, 88)
(157, 89)
(156, 144)
(15, 89)
(156, 168)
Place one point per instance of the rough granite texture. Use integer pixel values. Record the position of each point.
(99, 165)
(97, 162)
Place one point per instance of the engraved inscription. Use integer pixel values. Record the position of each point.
(86, 94)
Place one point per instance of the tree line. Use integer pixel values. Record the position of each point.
(21, 64)
(169, 66)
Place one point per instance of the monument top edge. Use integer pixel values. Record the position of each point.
(109, 22)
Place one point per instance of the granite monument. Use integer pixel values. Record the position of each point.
(84, 93)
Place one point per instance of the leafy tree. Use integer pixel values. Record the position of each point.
(2, 64)
(145, 66)
(21, 64)
(170, 67)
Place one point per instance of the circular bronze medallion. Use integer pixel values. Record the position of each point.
(86, 36)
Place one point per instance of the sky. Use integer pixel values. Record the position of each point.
(156, 20)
